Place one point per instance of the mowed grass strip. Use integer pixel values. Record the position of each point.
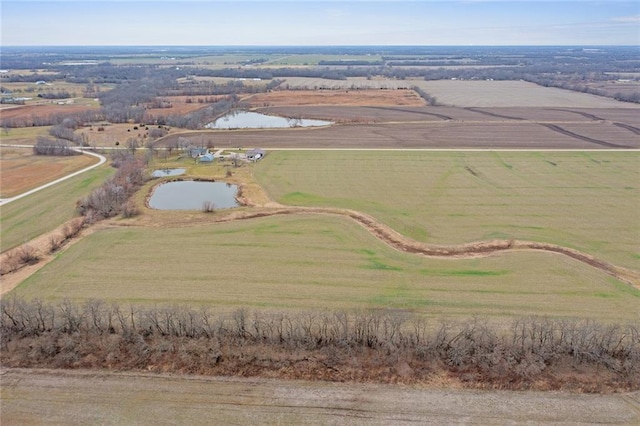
(589, 201)
(314, 262)
(28, 217)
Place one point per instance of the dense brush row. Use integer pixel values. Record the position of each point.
(388, 346)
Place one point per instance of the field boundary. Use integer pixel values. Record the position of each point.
(382, 232)
(102, 160)
(461, 251)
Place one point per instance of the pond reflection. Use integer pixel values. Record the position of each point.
(255, 120)
(192, 195)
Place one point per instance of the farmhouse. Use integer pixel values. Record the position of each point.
(196, 152)
(206, 158)
(255, 154)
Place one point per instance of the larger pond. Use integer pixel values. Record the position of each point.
(255, 120)
(192, 195)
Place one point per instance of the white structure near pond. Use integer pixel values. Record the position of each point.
(255, 154)
(206, 158)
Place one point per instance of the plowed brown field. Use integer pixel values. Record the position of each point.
(489, 135)
(386, 97)
(100, 397)
(28, 112)
(20, 170)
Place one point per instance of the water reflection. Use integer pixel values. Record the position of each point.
(255, 120)
(192, 195)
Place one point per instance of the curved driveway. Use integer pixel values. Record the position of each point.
(103, 159)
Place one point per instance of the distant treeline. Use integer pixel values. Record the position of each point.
(391, 346)
(138, 87)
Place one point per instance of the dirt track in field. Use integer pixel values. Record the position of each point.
(462, 251)
(381, 231)
(96, 397)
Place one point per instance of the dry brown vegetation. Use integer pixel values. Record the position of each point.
(20, 170)
(385, 346)
(27, 115)
(486, 134)
(382, 97)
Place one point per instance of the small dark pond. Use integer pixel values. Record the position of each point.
(191, 195)
(167, 172)
(255, 120)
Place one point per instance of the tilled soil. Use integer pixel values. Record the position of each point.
(41, 396)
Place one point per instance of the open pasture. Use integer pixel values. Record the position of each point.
(23, 135)
(116, 134)
(350, 83)
(181, 105)
(481, 93)
(315, 59)
(29, 89)
(364, 97)
(587, 201)
(221, 80)
(317, 262)
(44, 109)
(21, 170)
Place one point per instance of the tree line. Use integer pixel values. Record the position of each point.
(365, 345)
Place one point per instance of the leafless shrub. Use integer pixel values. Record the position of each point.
(55, 242)
(9, 262)
(72, 228)
(28, 254)
(364, 344)
(110, 199)
(130, 209)
(208, 206)
(56, 147)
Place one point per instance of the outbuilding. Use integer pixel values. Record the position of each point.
(256, 154)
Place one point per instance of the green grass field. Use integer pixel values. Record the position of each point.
(315, 262)
(43, 211)
(586, 200)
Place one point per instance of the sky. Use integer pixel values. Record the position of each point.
(302, 22)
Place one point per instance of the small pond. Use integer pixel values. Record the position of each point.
(191, 195)
(167, 172)
(255, 120)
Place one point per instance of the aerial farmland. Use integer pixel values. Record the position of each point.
(394, 212)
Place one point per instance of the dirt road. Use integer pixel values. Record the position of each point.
(90, 397)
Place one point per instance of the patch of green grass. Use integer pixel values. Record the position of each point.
(432, 196)
(299, 198)
(43, 211)
(324, 262)
(463, 273)
(379, 265)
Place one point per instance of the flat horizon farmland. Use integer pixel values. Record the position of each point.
(311, 262)
(588, 201)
